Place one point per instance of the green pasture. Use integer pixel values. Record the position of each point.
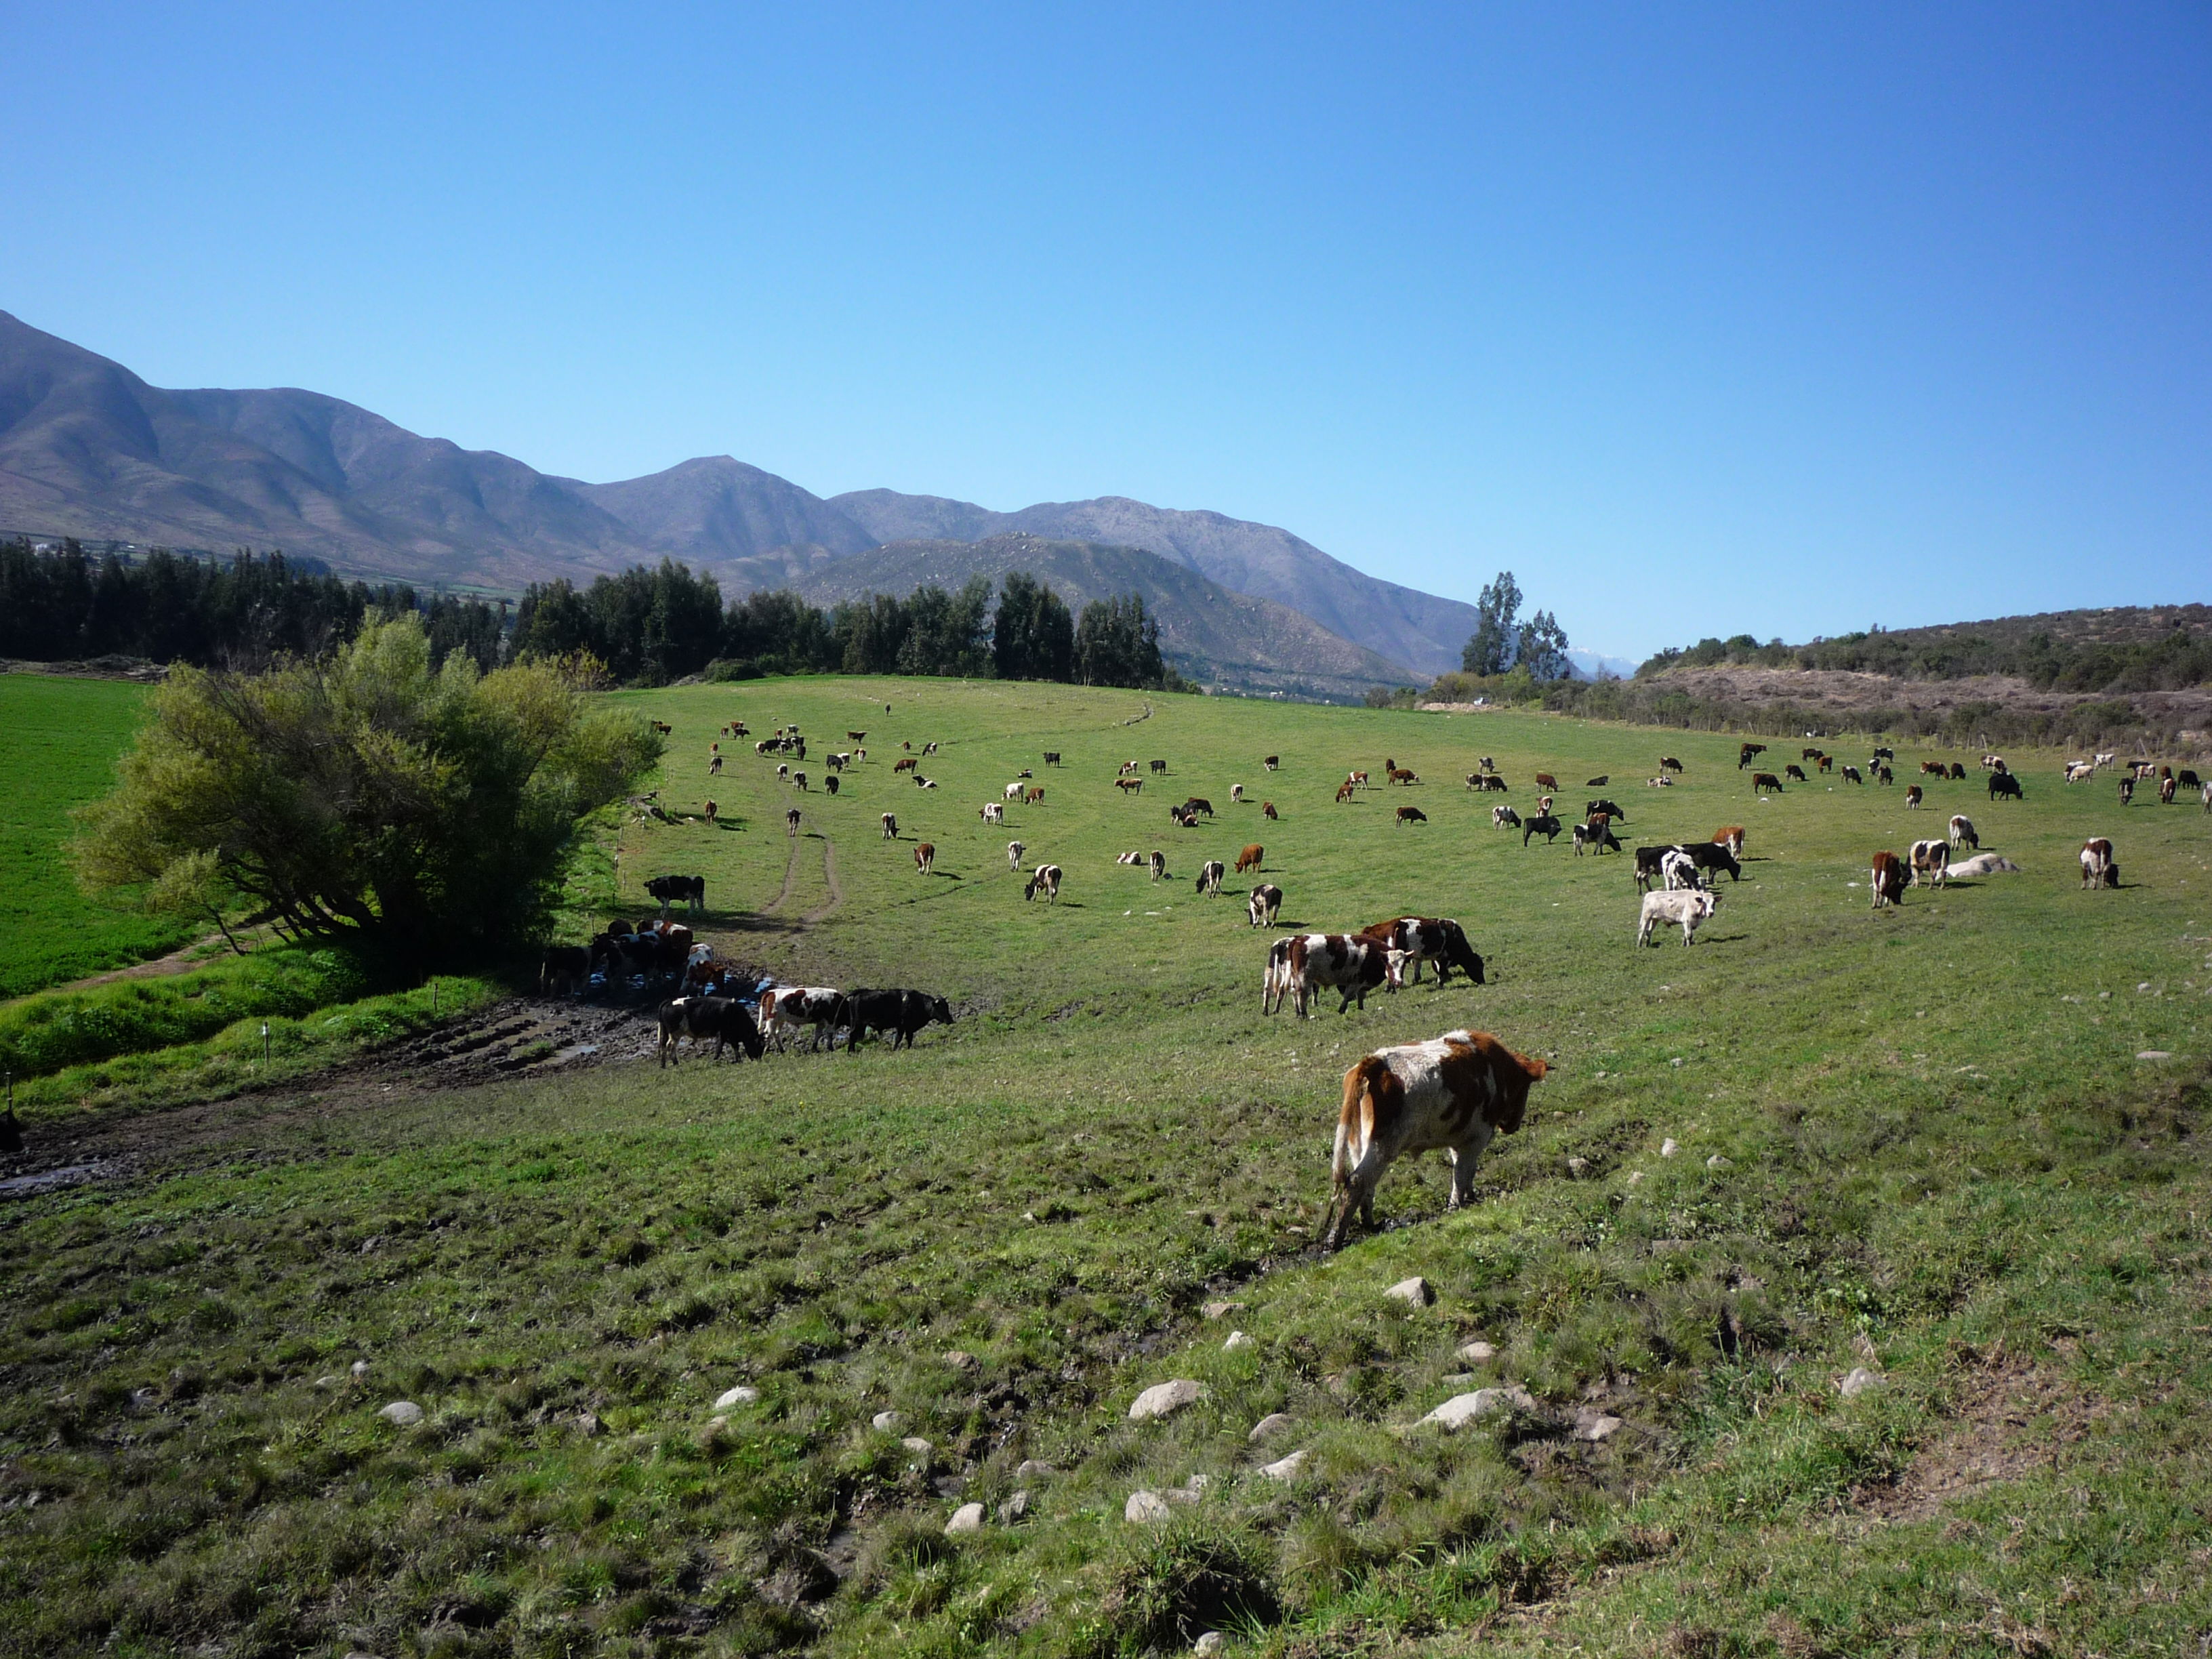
(1921, 1142)
(59, 738)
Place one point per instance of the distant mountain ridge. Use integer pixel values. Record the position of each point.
(90, 449)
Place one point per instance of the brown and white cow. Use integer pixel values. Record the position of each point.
(1209, 877)
(925, 856)
(1930, 860)
(1046, 880)
(1730, 835)
(1912, 796)
(1888, 879)
(1267, 899)
(1130, 786)
(787, 1011)
(2098, 869)
(1159, 861)
(1438, 939)
(1345, 792)
(1453, 1094)
(1250, 857)
(890, 826)
(1350, 964)
(993, 811)
(1962, 831)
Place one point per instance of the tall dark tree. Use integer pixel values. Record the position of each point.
(1489, 648)
(1117, 644)
(1541, 647)
(948, 632)
(1033, 637)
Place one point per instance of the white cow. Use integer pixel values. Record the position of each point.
(1013, 792)
(1014, 851)
(993, 813)
(1982, 864)
(1689, 908)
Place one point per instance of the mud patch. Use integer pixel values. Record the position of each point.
(2012, 1419)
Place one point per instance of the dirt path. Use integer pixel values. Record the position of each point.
(179, 961)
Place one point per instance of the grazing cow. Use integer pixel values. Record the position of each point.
(1912, 796)
(1743, 756)
(1505, 818)
(1159, 861)
(1438, 939)
(831, 783)
(1887, 878)
(1265, 902)
(906, 765)
(1545, 780)
(1826, 763)
(1884, 775)
(856, 736)
(1649, 861)
(1689, 908)
(664, 728)
(1209, 877)
(1716, 855)
(929, 747)
(1401, 774)
(714, 766)
(2103, 761)
(2189, 779)
(1045, 880)
(1412, 815)
(1852, 776)
(1679, 872)
(1594, 834)
(1267, 811)
(1992, 762)
(1932, 769)
(1199, 805)
(1272, 761)
(1493, 784)
(1034, 796)
(1730, 835)
(2166, 787)
(782, 773)
(925, 857)
(1669, 763)
(1762, 781)
(2127, 791)
(1452, 1095)
(564, 968)
(1957, 773)
(993, 811)
(1235, 791)
(1158, 767)
(688, 890)
(890, 826)
(1129, 769)
(1982, 864)
(2098, 869)
(1357, 779)
(1350, 964)
(1014, 851)
(1344, 792)
(1884, 752)
(1813, 753)
(1012, 791)
(1593, 808)
(2002, 784)
(791, 821)
(1930, 859)
(1130, 786)
(900, 1012)
(1249, 857)
(788, 1009)
(1052, 757)
(1544, 824)
(1795, 773)
(1962, 831)
(723, 1018)
(799, 780)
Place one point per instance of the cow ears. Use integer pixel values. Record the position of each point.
(1536, 1066)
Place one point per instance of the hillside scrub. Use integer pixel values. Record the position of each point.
(413, 812)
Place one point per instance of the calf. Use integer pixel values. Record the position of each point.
(1130, 786)
(1130, 857)
(1679, 871)
(1762, 781)
(925, 857)
(2004, 785)
(1265, 900)
(1669, 763)
(2127, 791)
(688, 890)
(1267, 811)
(2166, 787)
(1930, 859)
(1209, 877)
(1032, 797)
(1852, 776)
(1350, 964)
(1661, 782)
(908, 764)
(1199, 805)
(1962, 831)
(890, 826)
(1014, 851)
(1046, 880)
(1744, 754)
(1958, 772)
(1544, 824)
(1438, 939)
(1826, 764)
(1249, 857)
(831, 783)
(786, 1011)
(1884, 776)
(1813, 753)
(1345, 792)
(798, 781)
(1158, 862)
(1158, 767)
(1545, 780)
(1912, 796)
(722, 1018)
(1505, 818)
(1606, 807)
(1412, 815)
(1887, 877)
(2098, 869)
(791, 821)
(564, 968)
(902, 1013)
(1689, 908)
(1595, 835)
(993, 811)
(1235, 791)
(1599, 781)
(1052, 757)
(1272, 761)
(1795, 773)
(1453, 1095)
(1012, 791)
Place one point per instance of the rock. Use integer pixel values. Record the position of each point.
(1414, 1292)
(1270, 1425)
(1635, 1176)
(1030, 1468)
(740, 1395)
(1716, 1162)
(587, 1424)
(1458, 1379)
(2154, 1053)
(883, 1422)
(1478, 1353)
(1221, 1309)
(402, 1413)
(359, 1367)
(1676, 1062)
(1577, 1166)
(1209, 1642)
(1860, 1379)
(1597, 1425)
(917, 1445)
(961, 1360)
(1016, 1506)
(1669, 1146)
(1466, 1407)
(1195, 1485)
(1163, 1398)
(1238, 1340)
(1285, 1469)
(1146, 1508)
(329, 1382)
(2142, 985)
(969, 1517)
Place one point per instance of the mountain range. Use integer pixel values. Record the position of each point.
(90, 449)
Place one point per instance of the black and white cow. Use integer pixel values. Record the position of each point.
(1265, 900)
(679, 890)
(1044, 879)
(1209, 877)
(787, 1009)
(1428, 939)
(1350, 964)
(722, 1018)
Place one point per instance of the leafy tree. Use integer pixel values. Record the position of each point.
(1117, 644)
(365, 796)
(1490, 649)
(1541, 648)
(873, 629)
(948, 632)
(1033, 637)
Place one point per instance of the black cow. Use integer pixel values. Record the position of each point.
(1712, 855)
(723, 1018)
(2004, 783)
(564, 967)
(1605, 807)
(1544, 824)
(11, 1132)
(900, 1012)
(679, 890)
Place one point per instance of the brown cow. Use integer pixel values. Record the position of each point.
(1889, 879)
(1453, 1094)
(1130, 786)
(1344, 792)
(906, 765)
(1249, 857)
(925, 856)
(890, 827)
(1545, 780)
(1031, 796)
(1730, 835)
(1268, 809)
(1412, 815)
(2098, 869)
(1761, 781)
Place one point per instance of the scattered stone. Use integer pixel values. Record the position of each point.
(1466, 1407)
(883, 1422)
(969, 1517)
(1458, 1379)
(402, 1413)
(1209, 1642)
(587, 1424)
(1414, 1292)
(1016, 1506)
(1270, 1425)
(1285, 1469)
(2142, 985)
(1238, 1340)
(2154, 1053)
(330, 1381)
(1222, 1310)
(917, 1445)
(716, 1424)
(1577, 1166)
(144, 1399)
(1635, 1176)
(740, 1395)
(360, 1367)
(1860, 1379)
(1163, 1398)
(1146, 1508)
(1675, 1062)
(1478, 1353)
(1716, 1162)
(1669, 1146)
(1597, 1425)
(1031, 1468)
(961, 1360)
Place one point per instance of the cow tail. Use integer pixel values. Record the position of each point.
(1355, 1120)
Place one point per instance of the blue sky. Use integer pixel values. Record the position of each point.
(1773, 319)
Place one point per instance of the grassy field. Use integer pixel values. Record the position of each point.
(58, 740)
(1921, 1143)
